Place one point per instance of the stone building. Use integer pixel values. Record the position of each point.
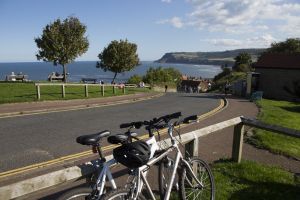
(279, 74)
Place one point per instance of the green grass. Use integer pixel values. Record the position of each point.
(250, 180)
(26, 92)
(282, 113)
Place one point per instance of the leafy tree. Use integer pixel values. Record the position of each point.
(62, 42)
(161, 75)
(225, 71)
(118, 57)
(135, 79)
(291, 45)
(242, 62)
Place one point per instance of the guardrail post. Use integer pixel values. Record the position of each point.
(86, 90)
(102, 90)
(63, 91)
(38, 92)
(124, 90)
(191, 148)
(237, 145)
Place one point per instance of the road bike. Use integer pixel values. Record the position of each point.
(195, 177)
(101, 166)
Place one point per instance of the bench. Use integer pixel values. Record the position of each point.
(92, 80)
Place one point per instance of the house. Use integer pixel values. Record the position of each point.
(279, 74)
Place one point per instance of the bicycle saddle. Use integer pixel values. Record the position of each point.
(92, 139)
(119, 138)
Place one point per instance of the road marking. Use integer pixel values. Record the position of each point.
(89, 152)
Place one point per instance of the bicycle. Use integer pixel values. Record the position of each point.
(101, 166)
(97, 187)
(195, 177)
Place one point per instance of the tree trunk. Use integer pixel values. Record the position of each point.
(65, 73)
(113, 81)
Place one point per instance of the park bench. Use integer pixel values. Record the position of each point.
(87, 80)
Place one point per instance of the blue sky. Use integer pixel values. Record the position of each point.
(156, 26)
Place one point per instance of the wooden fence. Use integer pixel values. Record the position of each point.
(189, 139)
(86, 88)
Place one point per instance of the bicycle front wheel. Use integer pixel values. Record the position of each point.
(165, 170)
(189, 188)
(81, 193)
(120, 194)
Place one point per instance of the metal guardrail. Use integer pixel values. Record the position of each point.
(189, 139)
(86, 88)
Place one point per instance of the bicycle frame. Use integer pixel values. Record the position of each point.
(104, 173)
(142, 171)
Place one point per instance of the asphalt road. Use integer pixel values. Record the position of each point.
(32, 139)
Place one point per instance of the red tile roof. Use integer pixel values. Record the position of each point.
(278, 61)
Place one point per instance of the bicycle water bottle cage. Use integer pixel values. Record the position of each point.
(92, 139)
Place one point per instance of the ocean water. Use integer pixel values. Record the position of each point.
(87, 69)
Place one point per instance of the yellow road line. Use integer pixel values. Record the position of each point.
(87, 153)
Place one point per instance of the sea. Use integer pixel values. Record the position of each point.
(39, 71)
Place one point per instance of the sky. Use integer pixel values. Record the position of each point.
(156, 26)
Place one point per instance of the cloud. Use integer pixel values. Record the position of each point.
(166, 1)
(175, 21)
(241, 16)
(261, 41)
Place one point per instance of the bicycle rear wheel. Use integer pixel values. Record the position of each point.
(120, 194)
(188, 187)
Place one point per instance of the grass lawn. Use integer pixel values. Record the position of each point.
(250, 180)
(26, 92)
(282, 113)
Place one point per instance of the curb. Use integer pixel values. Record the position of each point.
(79, 107)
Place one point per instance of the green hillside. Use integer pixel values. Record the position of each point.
(208, 58)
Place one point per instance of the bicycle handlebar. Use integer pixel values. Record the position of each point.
(136, 125)
(156, 123)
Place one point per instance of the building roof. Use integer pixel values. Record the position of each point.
(278, 61)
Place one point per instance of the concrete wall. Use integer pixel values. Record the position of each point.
(273, 81)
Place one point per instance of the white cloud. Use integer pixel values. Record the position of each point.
(261, 41)
(241, 16)
(175, 21)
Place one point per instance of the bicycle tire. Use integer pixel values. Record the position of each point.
(120, 194)
(166, 167)
(79, 193)
(205, 177)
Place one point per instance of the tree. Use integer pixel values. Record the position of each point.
(291, 45)
(242, 62)
(62, 42)
(135, 79)
(118, 57)
(160, 75)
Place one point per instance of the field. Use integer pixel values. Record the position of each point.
(26, 92)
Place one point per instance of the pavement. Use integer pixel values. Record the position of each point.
(212, 147)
